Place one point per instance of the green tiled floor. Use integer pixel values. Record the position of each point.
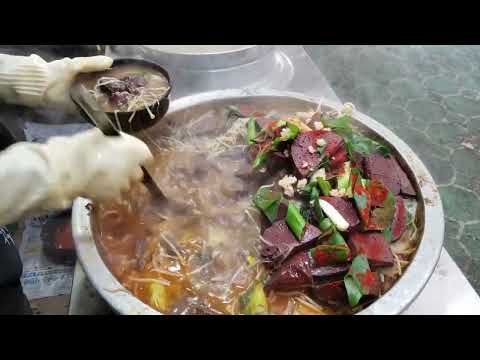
(430, 97)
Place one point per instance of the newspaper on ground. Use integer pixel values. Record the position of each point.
(41, 277)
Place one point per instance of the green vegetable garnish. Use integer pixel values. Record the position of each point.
(287, 134)
(295, 220)
(260, 159)
(359, 143)
(294, 130)
(342, 122)
(357, 171)
(324, 186)
(360, 264)
(254, 301)
(252, 130)
(325, 224)
(314, 193)
(354, 288)
(387, 233)
(268, 201)
(353, 291)
(309, 187)
(337, 239)
(344, 182)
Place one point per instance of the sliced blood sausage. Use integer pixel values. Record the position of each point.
(387, 170)
(332, 293)
(280, 241)
(321, 273)
(374, 246)
(303, 159)
(295, 273)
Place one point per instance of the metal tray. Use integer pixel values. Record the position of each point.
(395, 301)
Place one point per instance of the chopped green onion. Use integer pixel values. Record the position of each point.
(324, 186)
(325, 224)
(268, 201)
(352, 285)
(254, 302)
(295, 220)
(314, 194)
(337, 239)
(387, 233)
(251, 130)
(353, 291)
(294, 130)
(260, 159)
(360, 264)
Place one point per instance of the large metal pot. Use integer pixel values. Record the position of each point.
(430, 209)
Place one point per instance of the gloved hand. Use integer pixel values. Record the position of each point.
(39, 177)
(31, 81)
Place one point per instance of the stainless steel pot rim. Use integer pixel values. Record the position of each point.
(395, 301)
(214, 61)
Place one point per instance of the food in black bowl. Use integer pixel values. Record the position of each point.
(134, 93)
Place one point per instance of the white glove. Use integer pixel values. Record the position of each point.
(39, 177)
(31, 81)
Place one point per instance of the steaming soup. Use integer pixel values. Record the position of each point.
(268, 213)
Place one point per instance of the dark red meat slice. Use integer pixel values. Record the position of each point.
(281, 239)
(295, 273)
(374, 246)
(387, 170)
(337, 160)
(134, 82)
(345, 208)
(331, 293)
(114, 87)
(399, 222)
(301, 154)
(406, 187)
(120, 98)
(321, 273)
(282, 211)
(276, 162)
(310, 236)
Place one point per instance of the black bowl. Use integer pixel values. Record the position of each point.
(141, 119)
